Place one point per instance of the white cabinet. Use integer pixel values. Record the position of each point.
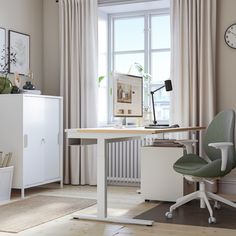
(159, 181)
(31, 128)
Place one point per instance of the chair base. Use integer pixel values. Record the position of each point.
(203, 196)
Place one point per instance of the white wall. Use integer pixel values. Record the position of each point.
(51, 82)
(26, 16)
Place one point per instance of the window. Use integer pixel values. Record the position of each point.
(143, 38)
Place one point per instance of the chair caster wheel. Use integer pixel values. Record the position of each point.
(217, 206)
(168, 215)
(211, 220)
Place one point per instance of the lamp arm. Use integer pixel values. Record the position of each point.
(153, 109)
(152, 92)
(153, 106)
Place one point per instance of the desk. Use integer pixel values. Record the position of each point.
(102, 136)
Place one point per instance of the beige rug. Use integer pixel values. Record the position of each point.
(27, 213)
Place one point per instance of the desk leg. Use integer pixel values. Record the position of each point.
(102, 192)
(101, 178)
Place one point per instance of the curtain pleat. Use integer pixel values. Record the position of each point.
(78, 78)
(193, 46)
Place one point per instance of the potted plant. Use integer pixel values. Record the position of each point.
(5, 83)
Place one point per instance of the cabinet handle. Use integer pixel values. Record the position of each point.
(25, 141)
(58, 138)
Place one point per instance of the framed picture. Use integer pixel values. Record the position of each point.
(127, 95)
(2, 48)
(19, 44)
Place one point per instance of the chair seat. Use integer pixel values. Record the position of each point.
(193, 165)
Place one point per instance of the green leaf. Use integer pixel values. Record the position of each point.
(101, 78)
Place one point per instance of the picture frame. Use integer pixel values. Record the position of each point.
(127, 95)
(19, 43)
(2, 48)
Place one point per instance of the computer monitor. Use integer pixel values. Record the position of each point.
(127, 95)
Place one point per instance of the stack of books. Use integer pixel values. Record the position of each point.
(27, 91)
(166, 143)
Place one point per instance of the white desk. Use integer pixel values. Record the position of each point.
(102, 136)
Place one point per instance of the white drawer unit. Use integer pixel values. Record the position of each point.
(31, 128)
(159, 181)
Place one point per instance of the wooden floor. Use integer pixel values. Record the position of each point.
(121, 201)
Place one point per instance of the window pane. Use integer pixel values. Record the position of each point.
(102, 66)
(162, 111)
(162, 103)
(129, 34)
(123, 62)
(160, 32)
(160, 69)
(102, 107)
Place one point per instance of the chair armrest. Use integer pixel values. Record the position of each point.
(188, 143)
(223, 146)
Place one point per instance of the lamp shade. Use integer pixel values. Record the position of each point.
(168, 85)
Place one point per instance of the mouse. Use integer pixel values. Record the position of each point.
(174, 126)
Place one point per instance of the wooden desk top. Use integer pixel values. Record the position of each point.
(135, 130)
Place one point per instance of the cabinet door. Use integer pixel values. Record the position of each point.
(159, 181)
(33, 128)
(51, 136)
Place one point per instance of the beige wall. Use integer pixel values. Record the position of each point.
(226, 67)
(31, 16)
(226, 57)
(26, 16)
(51, 82)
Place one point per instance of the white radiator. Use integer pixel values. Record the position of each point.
(124, 163)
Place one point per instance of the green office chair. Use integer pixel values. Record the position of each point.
(219, 146)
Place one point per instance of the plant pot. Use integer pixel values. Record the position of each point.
(6, 174)
(5, 85)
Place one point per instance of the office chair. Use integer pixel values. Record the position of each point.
(218, 144)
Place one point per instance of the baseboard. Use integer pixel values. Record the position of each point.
(227, 185)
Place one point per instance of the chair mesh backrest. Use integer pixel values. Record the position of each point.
(221, 129)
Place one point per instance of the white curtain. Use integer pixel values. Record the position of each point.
(78, 63)
(193, 30)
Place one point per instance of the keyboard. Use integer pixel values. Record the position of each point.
(163, 126)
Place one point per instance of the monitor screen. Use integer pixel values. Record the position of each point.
(127, 95)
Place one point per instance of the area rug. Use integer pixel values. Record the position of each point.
(29, 212)
(192, 214)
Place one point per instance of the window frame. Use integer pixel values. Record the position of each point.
(147, 14)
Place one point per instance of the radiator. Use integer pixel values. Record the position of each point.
(124, 163)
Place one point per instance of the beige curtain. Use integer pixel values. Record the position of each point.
(78, 61)
(193, 26)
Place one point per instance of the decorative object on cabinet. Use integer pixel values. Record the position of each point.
(5, 84)
(8, 59)
(34, 91)
(29, 86)
(19, 43)
(17, 82)
(32, 130)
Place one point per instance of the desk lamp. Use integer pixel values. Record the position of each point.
(168, 87)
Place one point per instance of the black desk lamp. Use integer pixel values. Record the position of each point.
(168, 86)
